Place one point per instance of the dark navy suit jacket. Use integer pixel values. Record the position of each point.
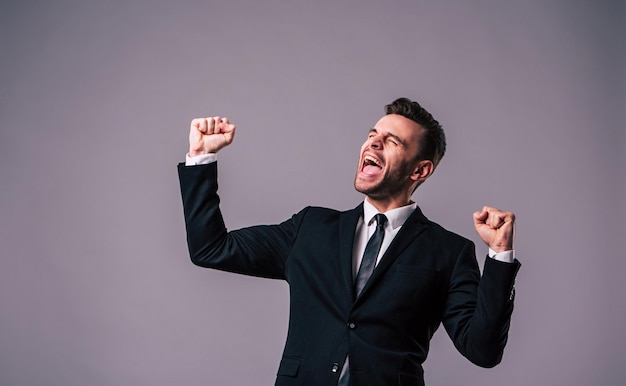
(427, 276)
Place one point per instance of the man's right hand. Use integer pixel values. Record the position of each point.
(209, 135)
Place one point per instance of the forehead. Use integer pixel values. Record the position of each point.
(400, 126)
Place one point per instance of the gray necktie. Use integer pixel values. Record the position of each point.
(371, 253)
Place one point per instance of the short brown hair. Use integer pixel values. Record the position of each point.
(433, 145)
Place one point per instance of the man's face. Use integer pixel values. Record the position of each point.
(389, 158)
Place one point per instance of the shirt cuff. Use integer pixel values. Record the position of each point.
(506, 256)
(200, 159)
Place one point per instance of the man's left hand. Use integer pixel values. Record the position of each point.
(495, 228)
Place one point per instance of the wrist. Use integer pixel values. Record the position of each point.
(196, 153)
(501, 248)
(201, 159)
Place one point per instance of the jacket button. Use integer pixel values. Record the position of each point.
(335, 367)
(352, 325)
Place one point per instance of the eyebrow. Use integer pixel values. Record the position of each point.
(374, 130)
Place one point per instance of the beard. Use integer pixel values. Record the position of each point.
(392, 184)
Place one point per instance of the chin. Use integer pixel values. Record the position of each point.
(370, 190)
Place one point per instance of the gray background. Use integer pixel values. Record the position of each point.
(96, 287)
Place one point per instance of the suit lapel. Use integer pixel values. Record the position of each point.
(412, 227)
(347, 227)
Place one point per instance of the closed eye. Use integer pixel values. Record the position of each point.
(389, 137)
(395, 140)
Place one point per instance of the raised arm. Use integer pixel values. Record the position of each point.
(478, 310)
(259, 250)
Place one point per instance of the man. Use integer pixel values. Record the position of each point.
(368, 286)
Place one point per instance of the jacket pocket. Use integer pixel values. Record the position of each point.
(289, 366)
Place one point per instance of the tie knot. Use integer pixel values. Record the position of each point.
(381, 219)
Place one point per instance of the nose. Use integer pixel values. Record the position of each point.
(376, 142)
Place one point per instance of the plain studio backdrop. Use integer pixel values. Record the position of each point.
(96, 287)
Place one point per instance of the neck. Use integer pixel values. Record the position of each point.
(385, 205)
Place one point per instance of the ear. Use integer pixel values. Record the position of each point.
(422, 171)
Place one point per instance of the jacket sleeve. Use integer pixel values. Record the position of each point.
(478, 310)
(257, 251)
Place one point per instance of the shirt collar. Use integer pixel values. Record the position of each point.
(395, 217)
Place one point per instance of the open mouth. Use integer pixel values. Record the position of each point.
(371, 165)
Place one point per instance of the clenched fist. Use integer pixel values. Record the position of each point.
(495, 228)
(209, 135)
